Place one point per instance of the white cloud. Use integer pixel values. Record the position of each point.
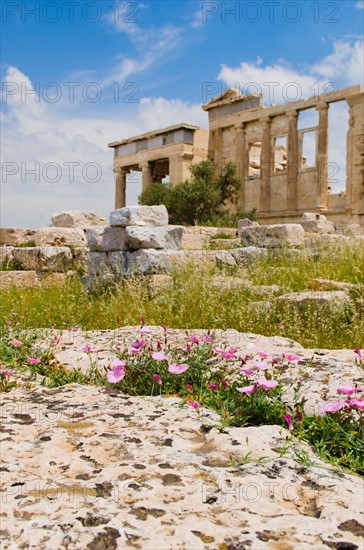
(280, 82)
(53, 134)
(360, 5)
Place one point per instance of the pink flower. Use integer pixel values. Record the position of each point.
(331, 407)
(208, 338)
(175, 368)
(291, 356)
(188, 347)
(157, 378)
(229, 354)
(194, 404)
(118, 363)
(16, 343)
(75, 328)
(33, 360)
(87, 349)
(288, 419)
(280, 325)
(218, 350)
(247, 389)
(115, 375)
(267, 384)
(189, 388)
(133, 351)
(248, 372)
(142, 320)
(264, 354)
(139, 343)
(54, 325)
(224, 383)
(357, 403)
(195, 340)
(159, 356)
(144, 330)
(357, 351)
(164, 328)
(213, 387)
(299, 382)
(7, 372)
(260, 365)
(346, 389)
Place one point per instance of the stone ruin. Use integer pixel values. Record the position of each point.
(139, 241)
(267, 145)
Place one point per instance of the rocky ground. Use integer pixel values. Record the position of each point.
(86, 467)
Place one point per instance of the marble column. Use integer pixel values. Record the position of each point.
(147, 177)
(218, 148)
(242, 159)
(120, 186)
(354, 158)
(292, 161)
(265, 165)
(322, 156)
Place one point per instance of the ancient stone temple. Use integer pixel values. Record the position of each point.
(267, 145)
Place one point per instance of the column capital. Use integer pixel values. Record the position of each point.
(266, 121)
(292, 114)
(322, 107)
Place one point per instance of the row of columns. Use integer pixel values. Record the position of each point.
(293, 159)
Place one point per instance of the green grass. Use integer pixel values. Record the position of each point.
(193, 301)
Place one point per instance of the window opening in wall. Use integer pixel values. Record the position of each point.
(280, 154)
(307, 119)
(308, 145)
(338, 128)
(254, 159)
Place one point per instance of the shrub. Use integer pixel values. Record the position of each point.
(202, 200)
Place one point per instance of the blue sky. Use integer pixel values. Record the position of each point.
(77, 75)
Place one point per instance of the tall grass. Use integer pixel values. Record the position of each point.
(195, 301)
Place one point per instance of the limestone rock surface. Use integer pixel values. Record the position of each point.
(77, 218)
(139, 215)
(168, 238)
(279, 235)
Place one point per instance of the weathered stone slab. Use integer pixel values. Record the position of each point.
(16, 235)
(44, 258)
(18, 278)
(246, 222)
(318, 226)
(279, 235)
(331, 302)
(59, 236)
(77, 219)
(106, 239)
(139, 215)
(313, 216)
(149, 236)
(117, 262)
(354, 230)
(146, 262)
(224, 258)
(98, 264)
(248, 254)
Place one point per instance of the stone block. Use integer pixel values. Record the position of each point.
(98, 264)
(318, 226)
(354, 230)
(81, 219)
(44, 258)
(14, 236)
(146, 262)
(329, 302)
(117, 262)
(224, 258)
(168, 238)
(18, 279)
(106, 239)
(245, 222)
(139, 215)
(313, 216)
(59, 236)
(248, 254)
(279, 235)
